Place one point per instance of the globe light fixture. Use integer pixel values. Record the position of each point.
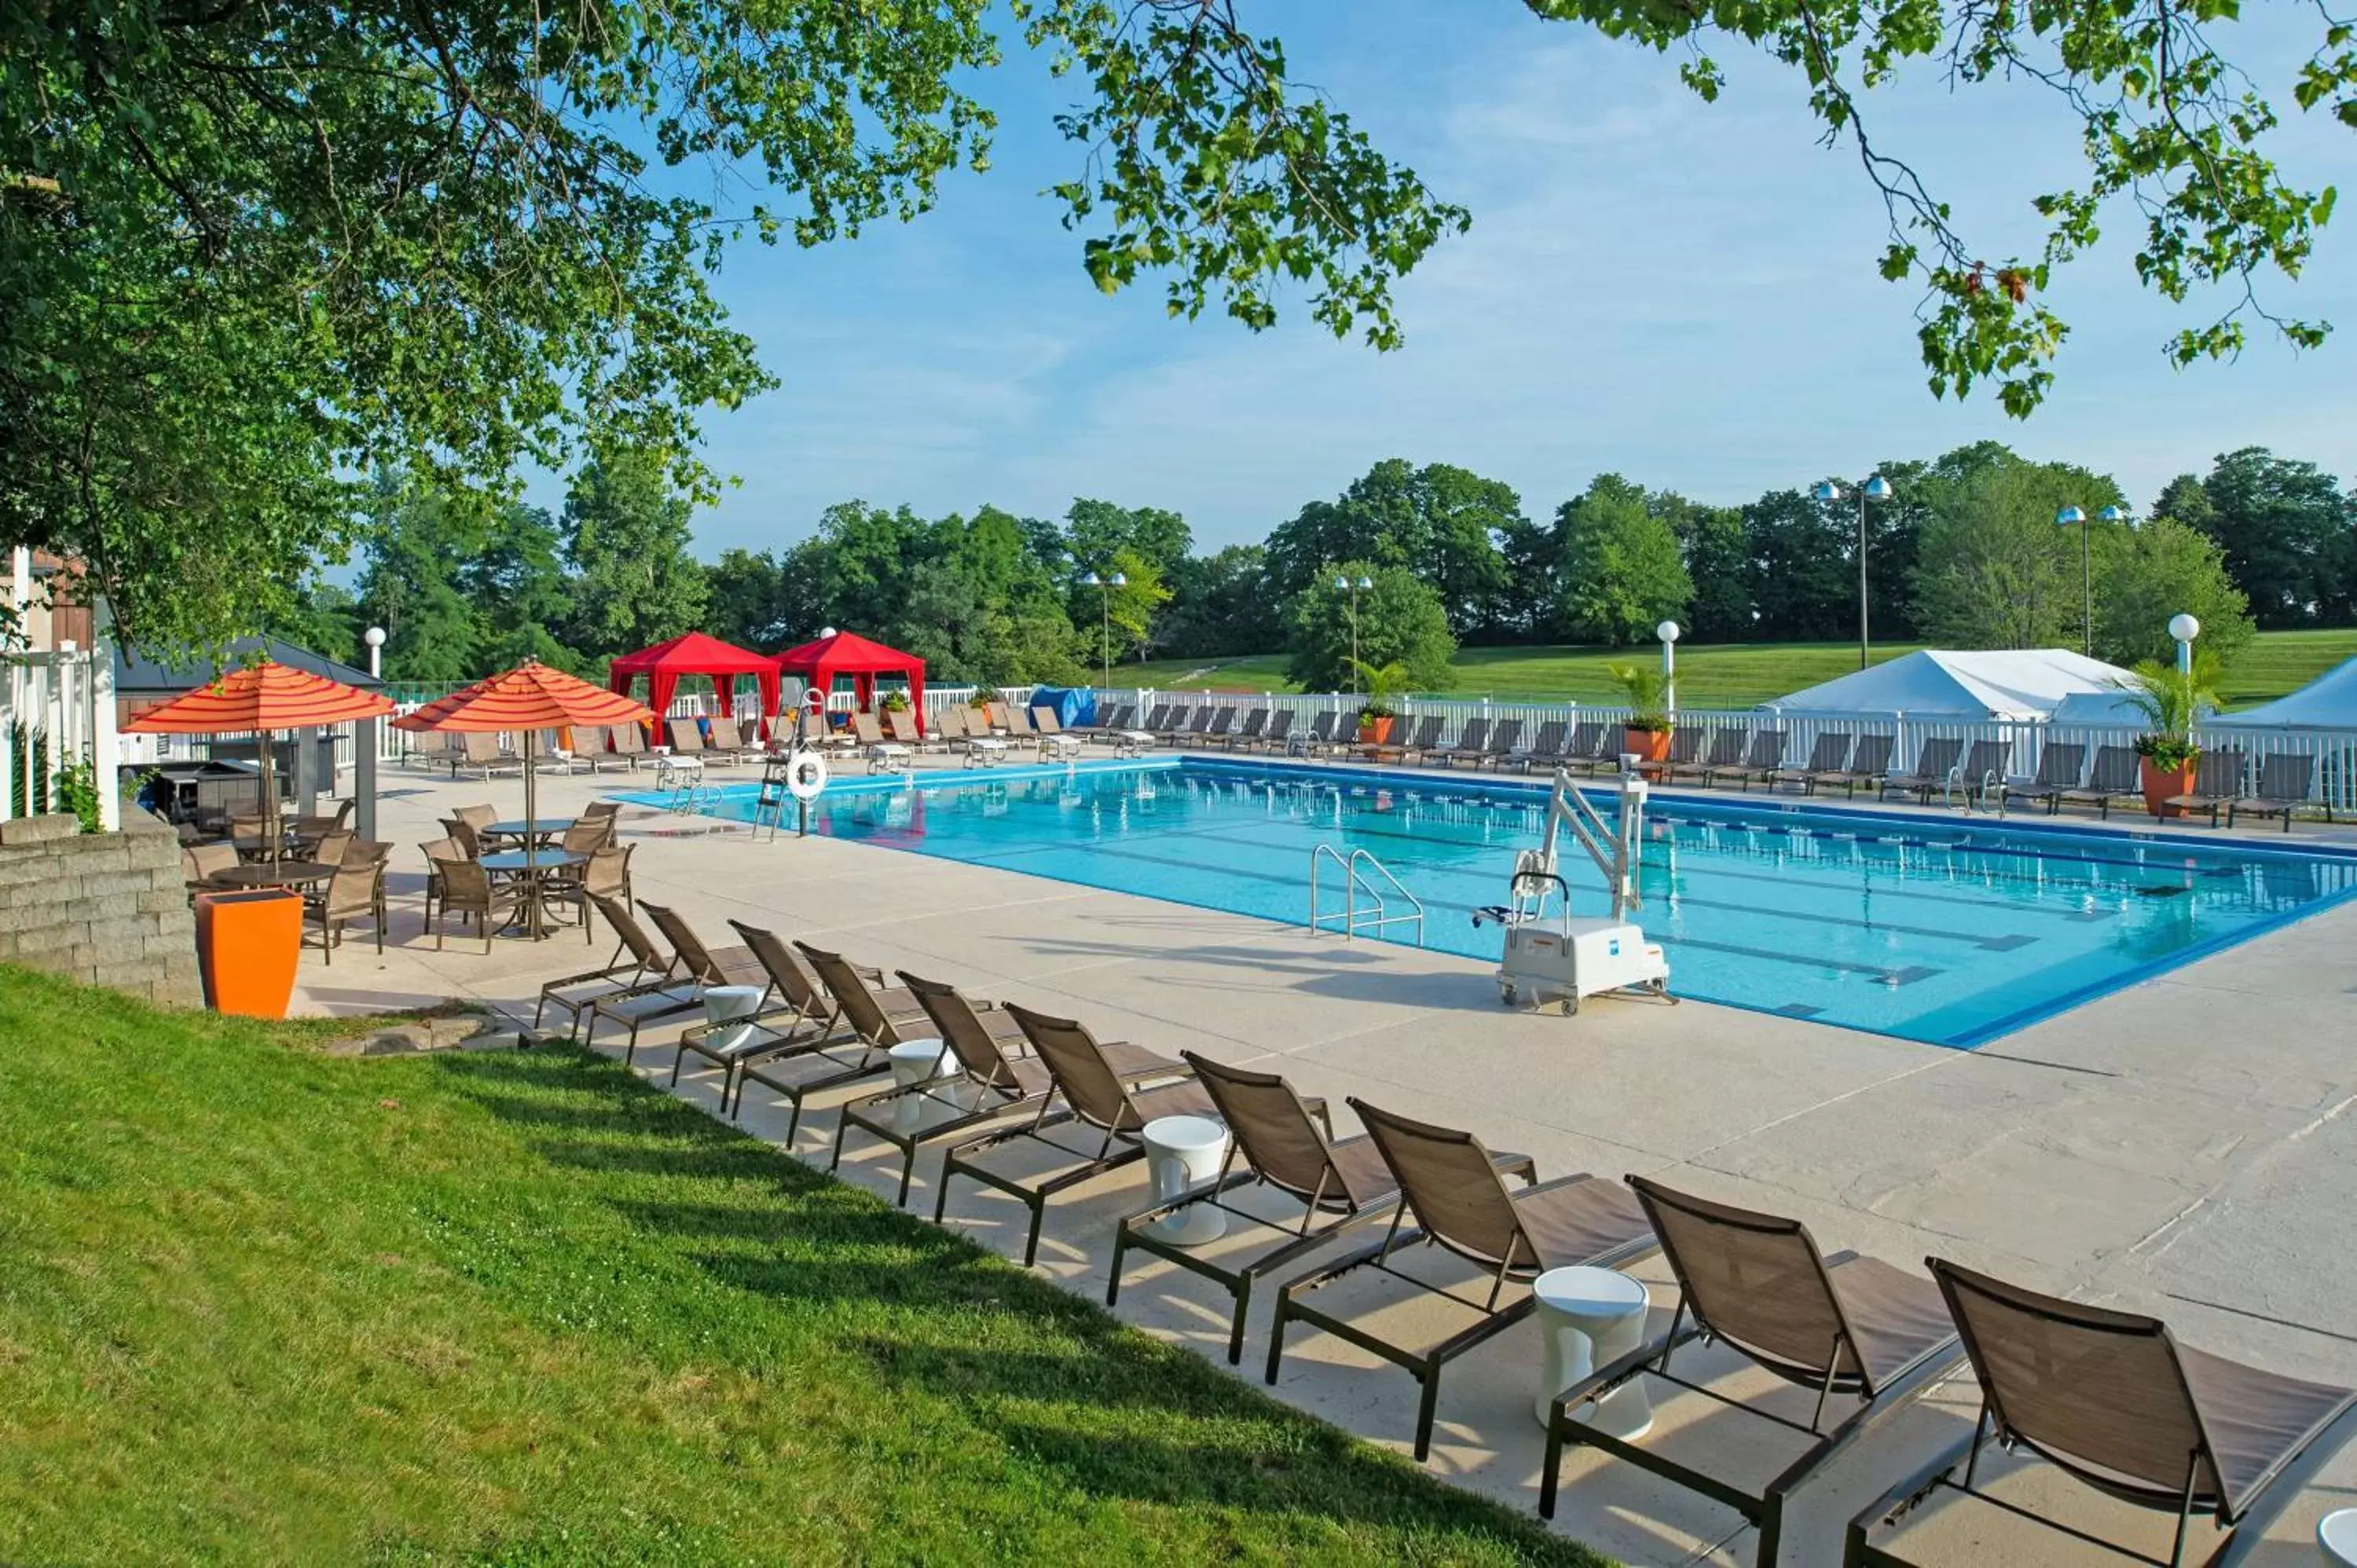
(374, 638)
(1668, 632)
(2074, 516)
(1874, 488)
(1104, 587)
(1354, 586)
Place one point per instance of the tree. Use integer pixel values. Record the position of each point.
(248, 250)
(1993, 571)
(1620, 575)
(749, 600)
(1400, 620)
(1220, 604)
(1440, 521)
(417, 541)
(626, 538)
(1802, 571)
(2284, 527)
(2149, 573)
(324, 617)
(516, 583)
(1524, 607)
(1711, 544)
(1095, 532)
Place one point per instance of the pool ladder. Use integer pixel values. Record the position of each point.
(1378, 913)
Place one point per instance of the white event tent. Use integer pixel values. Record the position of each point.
(2329, 702)
(1976, 685)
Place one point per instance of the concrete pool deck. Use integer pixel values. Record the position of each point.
(2180, 1147)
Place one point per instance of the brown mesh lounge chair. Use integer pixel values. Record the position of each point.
(1420, 741)
(1457, 1192)
(695, 967)
(1548, 750)
(1472, 740)
(2284, 777)
(2060, 767)
(866, 1021)
(991, 1080)
(1338, 1182)
(1247, 735)
(1846, 1326)
(1763, 760)
(1827, 753)
(798, 1015)
(2217, 783)
(637, 965)
(1936, 765)
(1504, 735)
(1320, 738)
(1096, 1130)
(1688, 760)
(1594, 746)
(2114, 777)
(1869, 764)
(1276, 735)
(2114, 1401)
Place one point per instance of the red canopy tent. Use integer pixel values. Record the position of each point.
(849, 653)
(697, 654)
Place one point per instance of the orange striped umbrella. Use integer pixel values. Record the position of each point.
(531, 697)
(263, 699)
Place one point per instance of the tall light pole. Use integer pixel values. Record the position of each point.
(2185, 629)
(374, 638)
(1104, 614)
(1668, 632)
(1354, 586)
(2068, 517)
(1875, 489)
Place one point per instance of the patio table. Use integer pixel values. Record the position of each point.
(285, 874)
(540, 827)
(537, 868)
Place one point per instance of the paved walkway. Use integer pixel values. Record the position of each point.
(2181, 1147)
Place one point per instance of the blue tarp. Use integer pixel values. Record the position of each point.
(1073, 705)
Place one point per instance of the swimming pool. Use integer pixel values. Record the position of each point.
(1944, 930)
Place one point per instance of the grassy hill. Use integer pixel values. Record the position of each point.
(258, 1305)
(1729, 674)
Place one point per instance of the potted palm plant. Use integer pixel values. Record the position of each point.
(2168, 756)
(1648, 733)
(1383, 682)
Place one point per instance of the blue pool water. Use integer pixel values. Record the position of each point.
(1948, 930)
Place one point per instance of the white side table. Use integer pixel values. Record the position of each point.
(1182, 1152)
(2336, 1538)
(915, 1062)
(1592, 1317)
(728, 1009)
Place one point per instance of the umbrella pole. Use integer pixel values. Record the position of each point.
(531, 842)
(270, 797)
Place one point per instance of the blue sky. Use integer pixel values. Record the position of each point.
(1680, 292)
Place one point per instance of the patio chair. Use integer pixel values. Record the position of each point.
(605, 874)
(1504, 736)
(1687, 760)
(1456, 1190)
(1277, 735)
(2217, 783)
(992, 1081)
(1419, 742)
(1340, 1183)
(695, 967)
(1320, 738)
(638, 965)
(2060, 766)
(201, 864)
(436, 852)
(861, 1022)
(467, 891)
(1547, 747)
(479, 753)
(2114, 777)
(1869, 764)
(366, 852)
(1246, 735)
(1936, 764)
(352, 893)
(312, 827)
(2284, 780)
(1099, 1105)
(1473, 740)
(1761, 761)
(1827, 753)
(2114, 1401)
(1846, 1326)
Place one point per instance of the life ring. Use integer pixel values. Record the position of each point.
(806, 775)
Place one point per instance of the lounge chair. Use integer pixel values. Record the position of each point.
(900, 726)
(2114, 1401)
(863, 1020)
(1338, 1182)
(1687, 760)
(630, 741)
(1196, 729)
(1762, 760)
(1248, 733)
(1054, 740)
(2284, 777)
(1504, 736)
(2217, 783)
(1320, 738)
(638, 965)
(1935, 767)
(1002, 723)
(590, 748)
(1457, 1192)
(1174, 729)
(549, 757)
(686, 738)
(1278, 735)
(797, 1014)
(1100, 1107)
(1983, 768)
(991, 1081)
(1473, 740)
(1827, 753)
(1418, 742)
(479, 753)
(1547, 749)
(2114, 777)
(1846, 1326)
(967, 731)
(1869, 764)
(884, 755)
(1156, 721)
(1223, 723)
(695, 968)
(1583, 750)
(2060, 766)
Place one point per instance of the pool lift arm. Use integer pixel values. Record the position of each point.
(1551, 954)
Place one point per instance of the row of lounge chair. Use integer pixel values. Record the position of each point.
(2109, 1396)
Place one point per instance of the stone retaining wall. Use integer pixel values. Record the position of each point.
(107, 909)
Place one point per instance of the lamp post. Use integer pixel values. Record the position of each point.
(1874, 488)
(2185, 629)
(1105, 586)
(374, 638)
(1354, 586)
(1668, 632)
(2071, 516)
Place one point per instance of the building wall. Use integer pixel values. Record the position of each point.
(106, 908)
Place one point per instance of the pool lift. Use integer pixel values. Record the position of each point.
(1552, 954)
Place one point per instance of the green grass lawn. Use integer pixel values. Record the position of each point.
(259, 1304)
(1733, 674)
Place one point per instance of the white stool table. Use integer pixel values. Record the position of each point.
(2336, 1538)
(728, 1009)
(1592, 1317)
(915, 1062)
(1182, 1152)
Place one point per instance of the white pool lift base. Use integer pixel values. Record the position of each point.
(1553, 955)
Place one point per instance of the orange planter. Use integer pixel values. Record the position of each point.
(1375, 732)
(2160, 785)
(247, 945)
(1647, 745)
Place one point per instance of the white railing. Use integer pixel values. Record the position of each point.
(57, 709)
